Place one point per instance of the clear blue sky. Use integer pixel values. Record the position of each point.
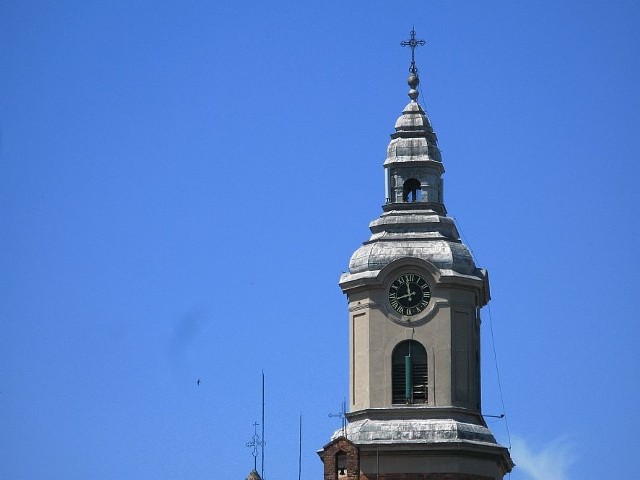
(181, 184)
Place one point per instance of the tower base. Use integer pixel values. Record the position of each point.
(377, 445)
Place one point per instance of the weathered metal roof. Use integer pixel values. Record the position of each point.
(414, 139)
(421, 234)
(416, 431)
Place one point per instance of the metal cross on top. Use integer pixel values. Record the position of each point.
(255, 443)
(343, 416)
(413, 43)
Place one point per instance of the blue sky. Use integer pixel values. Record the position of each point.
(181, 184)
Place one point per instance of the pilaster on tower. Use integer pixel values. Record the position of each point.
(414, 295)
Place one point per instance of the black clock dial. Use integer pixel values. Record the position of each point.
(409, 294)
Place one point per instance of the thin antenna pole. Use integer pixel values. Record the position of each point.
(300, 450)
(263, 442)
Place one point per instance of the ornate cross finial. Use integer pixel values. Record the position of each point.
(413, 43)
(255, 443)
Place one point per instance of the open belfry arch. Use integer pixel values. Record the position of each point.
(414, 294)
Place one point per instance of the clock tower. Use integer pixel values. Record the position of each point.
(414, 294)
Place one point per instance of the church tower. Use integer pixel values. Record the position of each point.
(414, 294)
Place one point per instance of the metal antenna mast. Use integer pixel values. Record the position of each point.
(262, 443)
(300, 450)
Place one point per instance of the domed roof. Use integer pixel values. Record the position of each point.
(414, 138)
(420, 234)
(413, 119)
(444, 255)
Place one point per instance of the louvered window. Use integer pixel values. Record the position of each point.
(418, 391)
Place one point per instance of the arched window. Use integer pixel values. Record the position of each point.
(411, 191)
(341, 465)
(409, 373)
(341, 460)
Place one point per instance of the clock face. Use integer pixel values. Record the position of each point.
(409, 294)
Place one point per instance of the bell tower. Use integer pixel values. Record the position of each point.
(414, 295)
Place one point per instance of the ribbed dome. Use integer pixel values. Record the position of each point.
(414, 138)
(420, 234)
(413, 118)
(444, 255)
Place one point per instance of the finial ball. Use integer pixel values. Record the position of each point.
(413, 80)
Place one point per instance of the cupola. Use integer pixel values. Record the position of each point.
(413, 167)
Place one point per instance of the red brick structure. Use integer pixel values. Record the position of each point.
(341, 460)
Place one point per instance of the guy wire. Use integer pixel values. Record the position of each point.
(493, 341)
